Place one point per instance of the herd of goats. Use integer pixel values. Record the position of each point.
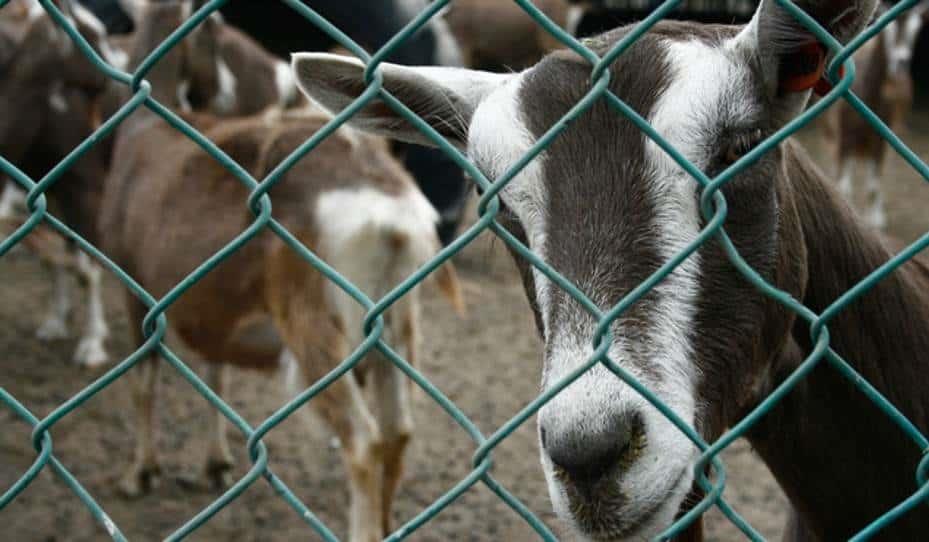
(159, 206)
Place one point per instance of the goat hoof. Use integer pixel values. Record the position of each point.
(52, 329)
(90, 353)
(218, 474)
(139, 481)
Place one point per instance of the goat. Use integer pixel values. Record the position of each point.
(226, 72)
(46, 105)
(606, 207)
(499, 36)
(349, 201)
(884, 84)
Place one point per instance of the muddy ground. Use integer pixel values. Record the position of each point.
(488, 363)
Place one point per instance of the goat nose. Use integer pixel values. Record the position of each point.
(585, 457)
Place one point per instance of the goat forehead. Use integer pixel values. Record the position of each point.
(709, 90)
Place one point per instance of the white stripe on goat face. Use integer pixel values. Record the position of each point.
(708, 89)
(225, 99)
(285, 84)
(704, 85)
(497, 139)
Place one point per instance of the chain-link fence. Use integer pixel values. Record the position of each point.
(713, 207)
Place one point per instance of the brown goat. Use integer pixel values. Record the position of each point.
(349, 201)
(352, 204)
(46, 103)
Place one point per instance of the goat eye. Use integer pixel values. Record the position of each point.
(741, 145)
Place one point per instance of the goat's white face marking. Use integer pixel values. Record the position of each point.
(497, 139)
(225, 99)
(708, 90)
(284, 83)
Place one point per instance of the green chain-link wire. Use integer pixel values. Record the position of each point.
(713, 207)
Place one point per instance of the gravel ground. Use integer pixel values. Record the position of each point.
(487, 362)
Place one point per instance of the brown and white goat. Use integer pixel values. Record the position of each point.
(606, 207)
(164, 212)
(47, 99)
(884, 84)
(500, 36)
(352, 204)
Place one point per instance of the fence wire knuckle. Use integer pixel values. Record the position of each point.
(710, 471)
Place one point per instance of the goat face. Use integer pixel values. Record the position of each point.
(32, 52)
(606, 207)
(37, 61)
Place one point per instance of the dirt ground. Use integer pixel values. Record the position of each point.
(488, 363)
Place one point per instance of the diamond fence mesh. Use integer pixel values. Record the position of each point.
(713, 207)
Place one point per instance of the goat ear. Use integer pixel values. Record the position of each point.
(134, 9)
(792, 60)
(445, 98)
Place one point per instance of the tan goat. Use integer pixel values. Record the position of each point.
(352, 204)
(167, 207)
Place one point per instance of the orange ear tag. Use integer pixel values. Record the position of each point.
(804, 69)
(823, 86)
